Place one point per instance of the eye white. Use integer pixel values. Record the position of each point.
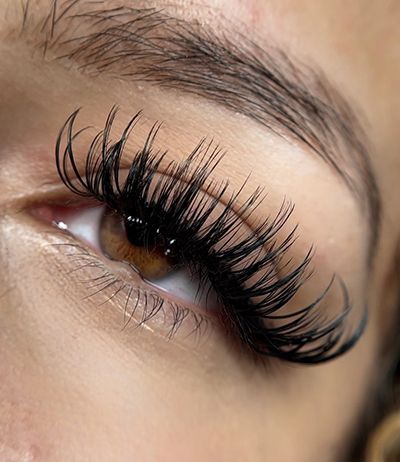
(84, 224)
(184, 285)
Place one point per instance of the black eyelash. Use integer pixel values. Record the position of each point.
(181, 203)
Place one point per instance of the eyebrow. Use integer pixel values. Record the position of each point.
(286, 96)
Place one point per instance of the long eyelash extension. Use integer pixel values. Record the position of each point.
(242, 270)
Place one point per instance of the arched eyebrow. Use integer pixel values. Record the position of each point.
(286, 96)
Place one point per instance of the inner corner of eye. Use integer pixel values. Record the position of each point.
(79, 220)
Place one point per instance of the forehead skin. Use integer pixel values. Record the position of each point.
(356, 44)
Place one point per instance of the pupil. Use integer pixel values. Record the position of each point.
(140, 234)
(143, 246)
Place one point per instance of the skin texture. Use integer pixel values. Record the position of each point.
(75, 385)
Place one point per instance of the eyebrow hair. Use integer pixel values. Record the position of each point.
(288, 97)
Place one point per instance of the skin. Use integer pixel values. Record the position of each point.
(76, 386)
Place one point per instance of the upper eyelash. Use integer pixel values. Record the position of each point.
(302, 336)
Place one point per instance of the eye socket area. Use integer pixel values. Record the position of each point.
(257, 276)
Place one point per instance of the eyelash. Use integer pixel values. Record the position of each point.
(181, 202)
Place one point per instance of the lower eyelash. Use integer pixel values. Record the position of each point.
(152, 305)
(246, 273)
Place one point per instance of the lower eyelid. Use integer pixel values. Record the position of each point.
(136, 303)
(142, 306)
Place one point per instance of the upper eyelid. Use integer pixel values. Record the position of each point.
(207, 154)
(205, 150)
(289, 95)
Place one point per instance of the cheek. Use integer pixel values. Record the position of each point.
(20, 438)
(72, 394)
(63, 395)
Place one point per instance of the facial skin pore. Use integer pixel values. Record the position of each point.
(74, 384)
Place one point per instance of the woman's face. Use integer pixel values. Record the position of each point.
(303, 99)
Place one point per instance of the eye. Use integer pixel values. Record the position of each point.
(134, 243)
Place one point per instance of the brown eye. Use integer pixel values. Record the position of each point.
(147, 256)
